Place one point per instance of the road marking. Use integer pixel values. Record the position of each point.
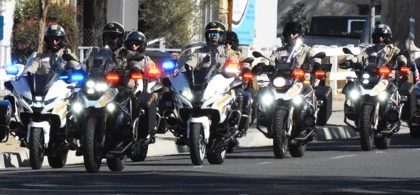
(200, 166)
(379, 152)
(263, 163)
(344, 156)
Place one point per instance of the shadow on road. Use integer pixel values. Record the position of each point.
(193, 182)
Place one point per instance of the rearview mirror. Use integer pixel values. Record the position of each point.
(347, 51)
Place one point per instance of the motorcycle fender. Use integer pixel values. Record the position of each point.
(139, 86)
(61, 111)
(44, 125)
(106, 98)
(290, 121)
(203, 120)
(376, 116)
(381, 86)
(154, 87)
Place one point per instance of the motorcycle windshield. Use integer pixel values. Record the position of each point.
(41, 83)
(103, 61)
(198, 78)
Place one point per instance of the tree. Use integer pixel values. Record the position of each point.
(42, 19)
(396, 14)
(31, 18)
(169, 19)
(93, 19)
(295, 14)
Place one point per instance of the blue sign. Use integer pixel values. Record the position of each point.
(1, 27)
(243, 19)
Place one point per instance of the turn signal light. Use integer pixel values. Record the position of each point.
(384, 71)
(320, 74)
(404, 70)
(113, 78)
(298, 74)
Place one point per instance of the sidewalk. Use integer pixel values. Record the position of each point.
(12, 155)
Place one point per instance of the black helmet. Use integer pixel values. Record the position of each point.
(232, 39)
(215, 29)
(136, 37)
(382, 30)
(54, 32)
(113, 30)
(292, 28)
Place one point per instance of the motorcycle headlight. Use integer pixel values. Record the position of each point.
(267, 99)
(383, 96)
(354, 94)
(101, 87)
(365, 76)
(297, 100)
(279, 82)
(90, 84)
(110, 107)
(77, 107)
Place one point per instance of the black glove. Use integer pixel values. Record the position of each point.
(346, 64)
(258, 69)
(67, 57)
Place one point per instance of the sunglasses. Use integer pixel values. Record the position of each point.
(113, 36)
(213, 35)
(51, 39)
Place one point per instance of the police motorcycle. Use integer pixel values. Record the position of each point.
(104, 116)
(9, 120)
(372, 101)
(41, 101)
(145, 111)
(203, 112)
(284, 106)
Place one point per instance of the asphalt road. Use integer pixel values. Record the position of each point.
(327, 167)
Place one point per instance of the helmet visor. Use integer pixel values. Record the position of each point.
(112, 35)
(213, 35)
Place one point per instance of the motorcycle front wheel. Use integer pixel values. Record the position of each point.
(92, 145)
(297, 150)
(139, 151)
(59, 158)
(197, 144)
(36, 148)
(280, 140)
(366, 132)
(116, 163)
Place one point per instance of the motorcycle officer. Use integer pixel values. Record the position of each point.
(382, 40)
(56, 56)
(303, 58)
(136, 43)
(213, 53)
(112, 38)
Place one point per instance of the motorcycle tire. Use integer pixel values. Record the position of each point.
(197, 144)
(366, 132)
(36, 148)
(4, 132)
(297, 150)
(59, 158)
(325, 111)
(92, 149)
(116, 163)
(139, 152)
(232, 146)
(382, 142)
(280, 140)
(415, 132)
(216, 158)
